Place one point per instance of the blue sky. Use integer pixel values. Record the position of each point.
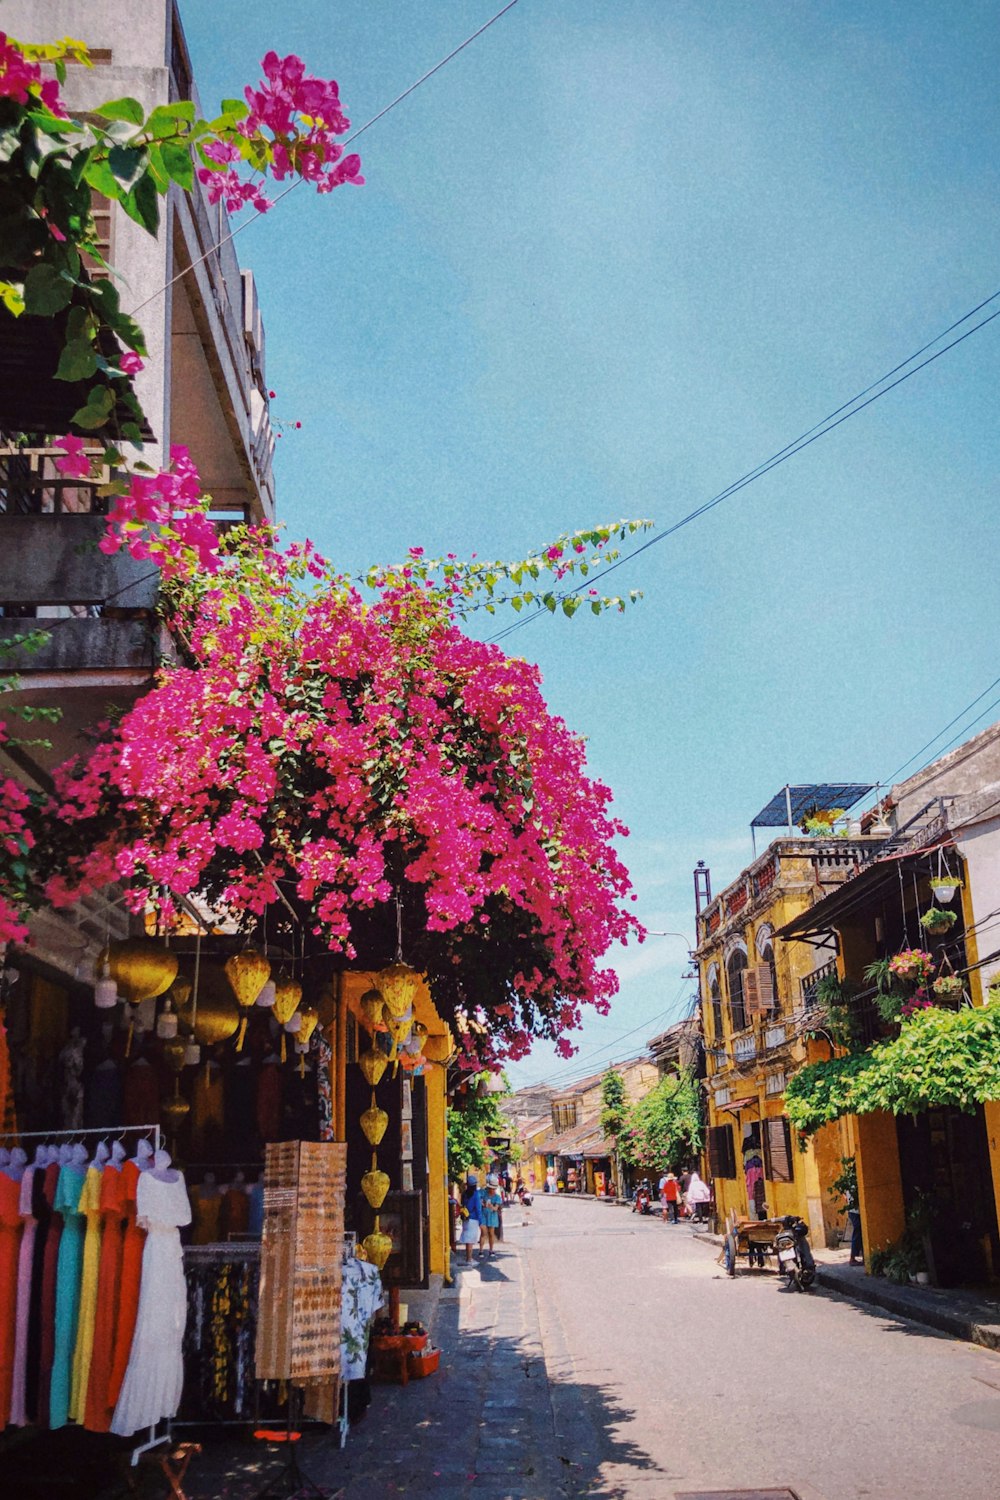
(610, 258)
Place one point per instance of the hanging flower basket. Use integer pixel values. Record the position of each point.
(944, 887)
(949, 987)
(937, 920)
(913, 965)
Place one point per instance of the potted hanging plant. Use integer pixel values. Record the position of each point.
(943, 888)
(938, 920)
(949, 986)
(913, 965)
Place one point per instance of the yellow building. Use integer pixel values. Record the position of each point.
(755, 1002)
(944, 824)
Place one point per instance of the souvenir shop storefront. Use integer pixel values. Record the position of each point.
(187, 1133)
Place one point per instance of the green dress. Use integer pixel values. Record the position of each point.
(68, 1271)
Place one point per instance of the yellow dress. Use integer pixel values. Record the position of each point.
(90, 1208)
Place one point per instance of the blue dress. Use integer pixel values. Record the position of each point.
(491, 1205)
(69, 1268)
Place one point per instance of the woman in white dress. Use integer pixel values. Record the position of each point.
(153, 1380)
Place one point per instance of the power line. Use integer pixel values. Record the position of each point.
(812, 434)
(933, 740)
(574, 1071)
(347, 141)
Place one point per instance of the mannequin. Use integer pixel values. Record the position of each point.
(78, 1155)
(162, 1169)
(101, 1155)
(4, 1157)
(65, 1154)
(15, 1164)
(117, 1154)
(143, 1157)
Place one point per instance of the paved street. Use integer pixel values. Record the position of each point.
(815, 1393)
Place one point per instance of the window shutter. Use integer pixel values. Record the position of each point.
(721, 1153)
(778, 1150)
(758, 990)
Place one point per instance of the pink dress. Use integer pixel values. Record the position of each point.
(11, 1227)
(18, 1414)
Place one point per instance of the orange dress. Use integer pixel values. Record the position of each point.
(128, 1291)
(11, 1225)
(98, 1409)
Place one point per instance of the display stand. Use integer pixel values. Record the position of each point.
(290, 1480)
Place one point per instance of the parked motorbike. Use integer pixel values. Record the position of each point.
(795, 1257)
(524, 1197)
(642, 1203)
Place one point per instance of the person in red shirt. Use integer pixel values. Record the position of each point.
(670, 1191)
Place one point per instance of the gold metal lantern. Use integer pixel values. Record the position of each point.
(373, 1010)
(374, 1122)
(398, 985)
(247, 972)
(216, 1017)
(373, 1064)
(310, 1020)
(375, 1184)
(142, 969)
(377, 1246)
(175, 1053)
(175, 1111)
(287, 995)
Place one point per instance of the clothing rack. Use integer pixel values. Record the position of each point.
(107, 1133)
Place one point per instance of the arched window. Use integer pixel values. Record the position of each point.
(735, 968)
(715, 994)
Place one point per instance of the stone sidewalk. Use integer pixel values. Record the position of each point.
(482, 1426)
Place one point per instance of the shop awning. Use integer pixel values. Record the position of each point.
(735, 1105)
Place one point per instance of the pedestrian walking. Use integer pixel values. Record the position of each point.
(490, 1206)
(697, 1196)
(471, 1213)
(669, 1196)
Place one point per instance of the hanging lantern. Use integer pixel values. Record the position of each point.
(378, 1246)
(375, 1184)
(180, 992)
(166, 1022)
(437, 1048)
(142, 968)
(192, 1055)
(175, 1111)
(373, 1011)
(411, 1061)
(265, 1000)
(398, 985)
(372, 1064)
(374, 1122)
(175, 1053)
(308, 1021)
(216, 1017)
(400, 1027)
(247, 972)
(294, 1024)
(105, 990)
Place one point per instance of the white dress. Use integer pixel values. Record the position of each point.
(151, 1389)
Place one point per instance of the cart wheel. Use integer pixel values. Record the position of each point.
(731, 1254)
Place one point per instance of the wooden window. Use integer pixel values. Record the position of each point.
(758, 990)
(778, 1150)
(715, 995)
(101, 209)
(721, 1151)
(735, 970)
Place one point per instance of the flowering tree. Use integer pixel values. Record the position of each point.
(287, 126)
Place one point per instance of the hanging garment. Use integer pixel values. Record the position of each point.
(270, 1088)
(90, 1208)
(361, 1298)
(154, 1378)
(207, 1112)
(11, 1229)
(131, 1272)
(69, 1269)
(97, 1407)
(18, 1414)
(47, 1312)
(41, 1209)
(235, 1211)
(206, 1209)
(141, 1094)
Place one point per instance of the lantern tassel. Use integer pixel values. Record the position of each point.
(128, 1039)
(242, 1036)
(284, 1052)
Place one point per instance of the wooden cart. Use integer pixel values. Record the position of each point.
(753, 1238)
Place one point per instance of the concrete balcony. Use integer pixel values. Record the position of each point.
(95, 646)
(55, 560)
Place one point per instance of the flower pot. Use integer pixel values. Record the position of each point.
(943, 890)
(937, 929)
(921, 1278)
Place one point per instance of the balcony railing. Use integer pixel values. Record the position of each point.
(809, 984)
(744, 1047)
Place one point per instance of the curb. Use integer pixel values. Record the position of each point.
(917, 1305)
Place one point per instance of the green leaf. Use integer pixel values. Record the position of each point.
(143, 205)
(236, 108)
(12, 297)
(164, 119)
(104, 296)
(100, 177)
(178, 163)
(46, 291)
(100, 404)
(127, 164)
(122, 109)
(129, 332)
(78, 361)
(549, 600)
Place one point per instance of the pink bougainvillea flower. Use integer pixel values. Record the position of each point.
(130, 363)
(76, 464)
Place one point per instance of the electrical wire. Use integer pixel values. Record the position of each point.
(888, 780)
(346, 142)
(828, 424)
